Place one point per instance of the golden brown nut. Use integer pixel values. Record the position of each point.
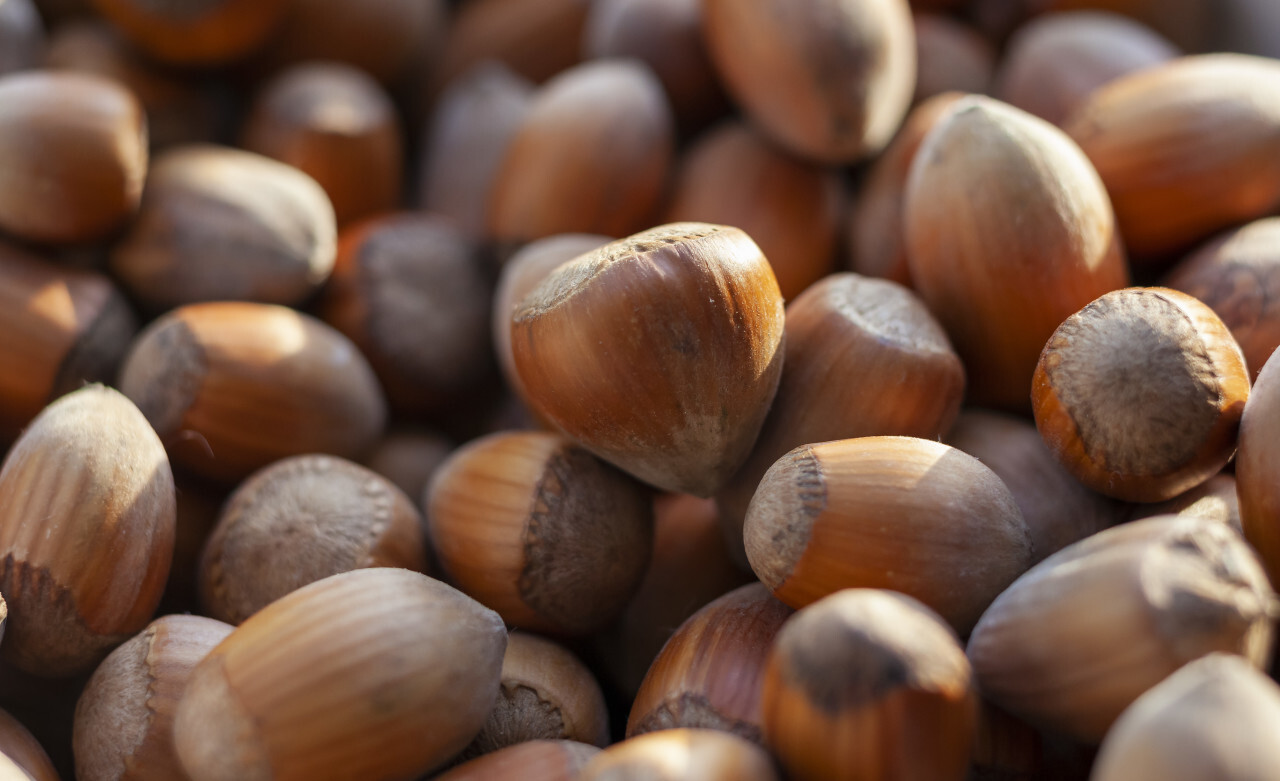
(829, 80)
(999, 285)
(591, 156)
(1238, 276)
(1216, 499)
(1057, 508)
(1085, 632)
(660, 352)
(221, 224)
(709, 673)
(205, 32)
(546, 694)
(535, 38)
(336, 124)
(73, 148)
(790, 207)
(86, 532)
(540, 530)
(864, 358)
(682, 755)
(1186, 148)
(299, 520)
(1258, 468)
(1054, 61)
(376, 674)
(233, 386)
(900, 513)
(533, 760)
(1214, 718)
(869, 684)
(1139, 394)
(465, 141)
(124, 719)
(409, 289)
(59, 328)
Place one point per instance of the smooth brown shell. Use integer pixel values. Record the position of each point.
(1258, 468)
(202, 32)
(682, 755)
(533, 760)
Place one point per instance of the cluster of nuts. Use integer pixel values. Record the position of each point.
(715, 390)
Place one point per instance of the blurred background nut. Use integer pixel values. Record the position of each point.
(997, 283)
(86, 532)
(1238, 275)
(218, 223)
(408, 457)
(901, 513)
(59, 328)
(299, 520)
(790, 207)
(22, 36)
(408, 288)
(1085, 632)
(1140, 393)
(869, 684)
(1054, 61)
(682, 755)
(74, 151)
(336, 124)
(377, 674)
(205, 32)
(950, 57)
(709, 673)
(545, 694)
(591, 156)
(535, 38)
(864, 358)
(538, 529)
(232, 386)
(124, 719)
(829, 80)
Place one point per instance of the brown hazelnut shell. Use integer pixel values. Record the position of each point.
(532, 760)
(682, 755)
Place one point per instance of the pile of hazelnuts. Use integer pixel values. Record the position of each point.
(692, 390)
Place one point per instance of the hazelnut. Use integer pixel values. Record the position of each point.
(950, 57)
(1055, 61)
(206, 32)
(667, 36)
(790, 207)
(660, 352)
(59, 328)
(999, 285)
(900, 513)
(86, 532)
(222, 224)
(74, 151)
(21, 36)
(1238, 276)
(1139, 394)
(869, 684)
(465, 140)
(336, 124)
(1186, 148)
(689, 568)
(1257, 468)
(829, 80)
(533, 760)
(591, 156)
(1214, 718)
(12, 771)
(1216, 499)
(536, 40)
(408, 288)
(864, 358)
(545, 694)
(1057, 508)
(540, 530)
(375, 674)
(124, 719)
(875, 240)
(299, 520)
(708, 674)
(233, 386)
(21, 747)
(681, 755)
(1085, 632)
